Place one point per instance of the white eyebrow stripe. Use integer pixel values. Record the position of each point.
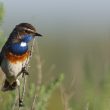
(29, 30)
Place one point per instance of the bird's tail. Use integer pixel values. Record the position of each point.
(7, 87)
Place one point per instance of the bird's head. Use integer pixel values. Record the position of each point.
(24, 32)
(20, 36)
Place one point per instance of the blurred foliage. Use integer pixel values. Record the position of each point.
(1, 12)
(86, 64)
(46, 92)
(41, 101)
(2, 39)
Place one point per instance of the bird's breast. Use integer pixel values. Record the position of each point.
(17, 58)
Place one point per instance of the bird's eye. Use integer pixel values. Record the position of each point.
(26, 31)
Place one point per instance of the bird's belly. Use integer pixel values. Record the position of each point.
(12, 69)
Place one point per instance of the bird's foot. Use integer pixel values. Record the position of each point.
(24, 71)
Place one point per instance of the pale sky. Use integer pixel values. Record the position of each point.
(48, 14)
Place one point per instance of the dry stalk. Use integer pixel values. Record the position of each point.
(67, 95)
(39, 76)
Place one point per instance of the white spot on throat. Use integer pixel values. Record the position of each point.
(23, 44)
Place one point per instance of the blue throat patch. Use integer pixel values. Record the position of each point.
(27, 38)
(18, 48)
(21, 47)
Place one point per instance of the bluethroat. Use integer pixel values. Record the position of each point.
(15, 53)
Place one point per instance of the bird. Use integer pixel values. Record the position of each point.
(15, 53)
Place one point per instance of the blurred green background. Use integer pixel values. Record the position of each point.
(76, 42)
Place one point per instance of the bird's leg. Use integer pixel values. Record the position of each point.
(23, 72)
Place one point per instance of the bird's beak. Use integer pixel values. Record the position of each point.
(37, 34)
